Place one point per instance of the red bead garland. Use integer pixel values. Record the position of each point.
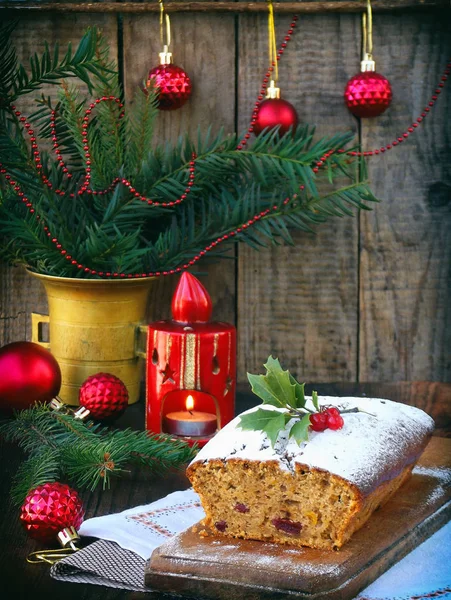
(125, 182)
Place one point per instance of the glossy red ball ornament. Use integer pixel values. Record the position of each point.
(275, 112)
(174, 86)
(48, 509)
(104, 395)
(368, 94)
(28, 374)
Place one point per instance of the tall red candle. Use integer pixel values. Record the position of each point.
(190, 352)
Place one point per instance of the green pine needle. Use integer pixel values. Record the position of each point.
(84, 454)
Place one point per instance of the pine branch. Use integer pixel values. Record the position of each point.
(116, 231)
(40, 468)
(84, 454)
(49, 68)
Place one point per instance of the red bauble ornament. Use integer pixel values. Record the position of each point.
(174, 86)
(28, 374)
(191, 302)
(104, 395)
(368, 94)
(50, 508)
(275, 112)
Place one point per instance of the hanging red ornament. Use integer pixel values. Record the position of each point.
(173, 83)
(368, 94)
(28, 374)
(104, 396)
(49, 510)
(275, 112)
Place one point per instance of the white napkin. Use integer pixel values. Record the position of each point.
(144, 528)
(424, 573)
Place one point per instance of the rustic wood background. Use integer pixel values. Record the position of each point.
(366, 298)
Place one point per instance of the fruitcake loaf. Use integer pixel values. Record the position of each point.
(319, 492)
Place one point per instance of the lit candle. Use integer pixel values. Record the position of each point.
(190, 422)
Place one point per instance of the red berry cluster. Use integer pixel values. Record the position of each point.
(326, 418)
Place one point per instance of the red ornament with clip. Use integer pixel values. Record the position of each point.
(191, 368)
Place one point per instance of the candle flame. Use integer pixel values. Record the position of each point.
(189, 403)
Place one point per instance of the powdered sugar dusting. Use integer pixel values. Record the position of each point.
(442, 477)
(258, 556)
(371, 444)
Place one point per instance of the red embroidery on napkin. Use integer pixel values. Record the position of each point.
(150, 519)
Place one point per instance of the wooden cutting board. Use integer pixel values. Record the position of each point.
(232, 569)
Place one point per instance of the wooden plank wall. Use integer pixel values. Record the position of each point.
(366, 298)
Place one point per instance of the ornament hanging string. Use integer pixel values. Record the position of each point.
(367, 30)
(164, 20)
(21, 195)
(272, 41)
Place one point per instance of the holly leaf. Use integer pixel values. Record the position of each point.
(262, 388)
(257, 419)
(315, 400)
(280, 382)
(270, 422)
(274, 427)
(298, 392)
(299, 431)
(276, 387)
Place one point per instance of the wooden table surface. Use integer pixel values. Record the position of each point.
(20, 580)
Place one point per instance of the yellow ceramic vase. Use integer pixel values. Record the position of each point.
(93, 328)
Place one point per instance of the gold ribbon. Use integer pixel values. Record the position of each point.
(367, 28)
(272, 42)
(164, 18)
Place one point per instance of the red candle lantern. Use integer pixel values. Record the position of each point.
(191, 368)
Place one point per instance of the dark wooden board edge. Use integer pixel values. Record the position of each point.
(192, 586)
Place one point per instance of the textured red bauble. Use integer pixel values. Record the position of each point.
(50, 508)
(104, 395)
(28, 374)
(275, 112)
(368, 94)
(174, 86)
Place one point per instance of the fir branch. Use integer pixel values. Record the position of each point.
(15, 81)
(31, 430)
(116, 231)
(84, 454)
(40, 468)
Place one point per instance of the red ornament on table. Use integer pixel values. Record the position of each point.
(275, 112)
(191, 367)
(104, 395)
(28, 374)
(49, 510)
(173, 83)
